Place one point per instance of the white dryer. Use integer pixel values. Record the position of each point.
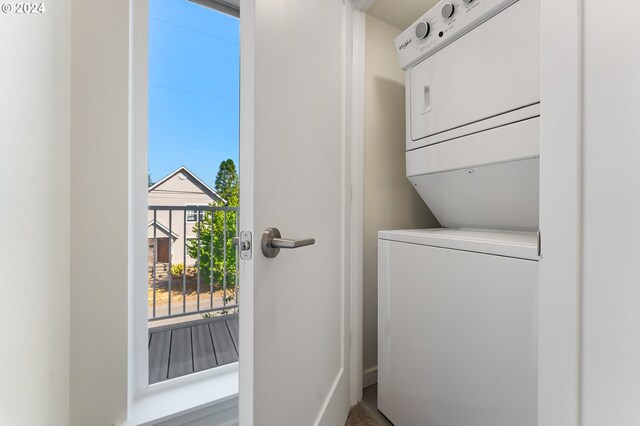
(457, 330)
(473, 108)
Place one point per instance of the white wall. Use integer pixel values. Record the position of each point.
(99, 200)
(390, 202)
(34, 186)
(400, 14)
(611, 215)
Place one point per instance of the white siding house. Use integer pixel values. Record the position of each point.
(179, 189)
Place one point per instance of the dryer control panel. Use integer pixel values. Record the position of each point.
(444, 23)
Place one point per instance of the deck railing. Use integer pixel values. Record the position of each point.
(193, 263)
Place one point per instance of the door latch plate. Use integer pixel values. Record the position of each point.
(245, 245)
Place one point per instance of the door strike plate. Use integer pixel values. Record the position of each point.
(245, 245)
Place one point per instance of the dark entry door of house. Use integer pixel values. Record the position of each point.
(164, 251)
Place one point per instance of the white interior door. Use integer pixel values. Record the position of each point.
(294, 307)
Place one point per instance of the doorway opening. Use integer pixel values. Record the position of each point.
(193, 285)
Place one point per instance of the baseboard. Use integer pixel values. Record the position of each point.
(370, 377)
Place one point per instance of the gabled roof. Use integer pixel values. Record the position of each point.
(162, 228)
(182, 169)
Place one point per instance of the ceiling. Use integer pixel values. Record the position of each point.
(400, 13)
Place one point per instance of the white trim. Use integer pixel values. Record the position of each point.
(228, 7)
(183, 169)
(163, 228)
(357, 94)
(370, 377)
(148, 404)
(560, 212)
(247, 123)
(138, 201)
(174, 402)
(222, 414)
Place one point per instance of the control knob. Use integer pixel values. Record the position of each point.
(447, 10)
(422, 29)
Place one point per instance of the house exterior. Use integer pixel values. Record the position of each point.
(170, 229)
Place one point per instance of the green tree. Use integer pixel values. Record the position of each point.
(227, 183)
(213, 238)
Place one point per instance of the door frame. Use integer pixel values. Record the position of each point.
(211, 392)
(245, 167)
(559, 359)
(561, 144)
(357, 114)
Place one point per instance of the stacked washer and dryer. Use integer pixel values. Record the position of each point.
(457, 329)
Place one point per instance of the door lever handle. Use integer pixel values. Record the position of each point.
(289, 244)
(272, 242)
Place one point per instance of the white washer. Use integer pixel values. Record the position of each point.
(457, 331)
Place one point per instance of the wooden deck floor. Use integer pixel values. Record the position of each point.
(179, 349)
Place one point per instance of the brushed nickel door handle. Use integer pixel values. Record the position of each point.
(272, 242)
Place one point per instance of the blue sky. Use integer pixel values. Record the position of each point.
(194, 71)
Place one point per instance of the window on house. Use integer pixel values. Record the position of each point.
(192, 215)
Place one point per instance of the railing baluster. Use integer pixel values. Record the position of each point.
(155, 259)
(184, 262)
(198, 262)
(170, 260)
(211, 261)
(224, 260)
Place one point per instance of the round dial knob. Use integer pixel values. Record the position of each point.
(422, 29)
(447, 10)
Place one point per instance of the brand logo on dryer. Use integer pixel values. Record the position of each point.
(404, 45)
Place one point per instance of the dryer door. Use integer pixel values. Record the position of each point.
(491, 70)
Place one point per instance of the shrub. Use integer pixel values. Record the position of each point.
(192, 271)
(177, 270)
